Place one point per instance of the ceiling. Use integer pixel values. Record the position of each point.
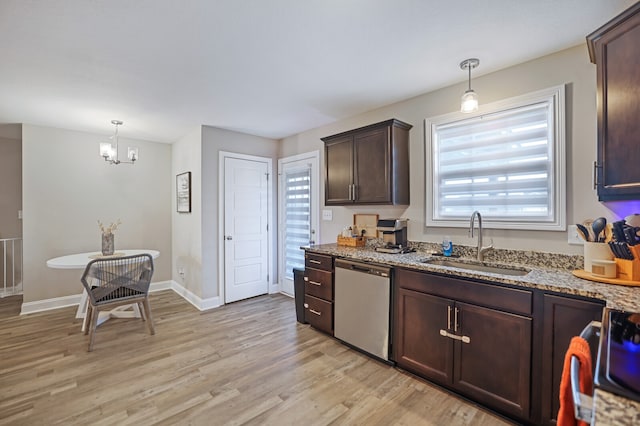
(271, 68)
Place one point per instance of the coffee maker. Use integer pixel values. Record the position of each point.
(394, 235)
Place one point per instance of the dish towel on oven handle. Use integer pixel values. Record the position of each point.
(578, 347)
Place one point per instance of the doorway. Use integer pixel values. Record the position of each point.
(246, 210)
(297, 213)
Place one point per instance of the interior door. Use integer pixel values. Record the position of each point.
(297, 212)
(245, 228)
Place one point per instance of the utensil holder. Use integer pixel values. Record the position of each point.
(595, 251)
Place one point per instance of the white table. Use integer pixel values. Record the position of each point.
(80, 261)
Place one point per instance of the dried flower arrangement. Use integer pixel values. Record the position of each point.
(111, 228)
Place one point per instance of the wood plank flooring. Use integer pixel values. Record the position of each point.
(247, 363)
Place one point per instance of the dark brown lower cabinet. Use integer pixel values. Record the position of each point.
(419, 347)
(494, 367)
(564, 317)
(480, 352)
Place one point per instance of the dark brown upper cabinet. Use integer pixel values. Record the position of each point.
(615, 49)
(369, 165)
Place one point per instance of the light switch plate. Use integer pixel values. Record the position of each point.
(573, 237)
(327, 214)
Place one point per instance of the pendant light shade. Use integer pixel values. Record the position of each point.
(469, 101)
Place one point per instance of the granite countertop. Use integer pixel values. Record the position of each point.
(548, 272)
(554, 276)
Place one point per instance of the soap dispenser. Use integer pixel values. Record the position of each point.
(447, 246)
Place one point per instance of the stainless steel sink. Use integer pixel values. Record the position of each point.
(478, 266)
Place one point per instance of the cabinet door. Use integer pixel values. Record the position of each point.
(418, 345)
(372, 174)
(564, 318)
(338, 155)
(494, 367)
(617, 55)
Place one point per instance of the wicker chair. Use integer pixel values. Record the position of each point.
(114, 282)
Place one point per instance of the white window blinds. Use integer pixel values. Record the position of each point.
(297, 193)
(503, 163)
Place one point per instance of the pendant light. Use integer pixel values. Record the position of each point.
(109, 151)
(469, 102)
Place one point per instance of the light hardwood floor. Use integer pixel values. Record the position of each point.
(249, 363)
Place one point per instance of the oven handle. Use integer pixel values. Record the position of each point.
(582, 404)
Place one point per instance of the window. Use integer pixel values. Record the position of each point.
(297, 217)
(507, 161)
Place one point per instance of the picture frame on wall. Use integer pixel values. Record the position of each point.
(183, 192)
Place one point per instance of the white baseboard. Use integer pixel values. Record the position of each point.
(49, 304)
(195, 300)
(74, 300)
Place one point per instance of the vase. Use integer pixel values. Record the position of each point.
(107, 244)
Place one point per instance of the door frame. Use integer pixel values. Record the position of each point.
(222, 156)
(314, 158)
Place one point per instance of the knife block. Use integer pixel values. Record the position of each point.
(628, 269)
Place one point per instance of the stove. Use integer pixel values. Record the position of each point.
(618, 364)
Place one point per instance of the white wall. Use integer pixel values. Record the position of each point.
(67, 187)
(570, 66)
(215, 140)
(11, 188)
(186, 228)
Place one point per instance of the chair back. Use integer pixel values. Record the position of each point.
(120, 278)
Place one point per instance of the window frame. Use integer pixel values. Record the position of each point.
(556, 97)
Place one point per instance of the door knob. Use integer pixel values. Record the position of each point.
(229, 238)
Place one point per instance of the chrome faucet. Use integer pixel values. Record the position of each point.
(481, 250)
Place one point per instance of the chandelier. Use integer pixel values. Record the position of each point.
(109, 150)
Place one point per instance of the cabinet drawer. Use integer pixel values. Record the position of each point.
(479, 293)
(318, 283)
(318, 261)
(319, 313)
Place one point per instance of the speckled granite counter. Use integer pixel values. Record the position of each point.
(548, 272)
(557, 278)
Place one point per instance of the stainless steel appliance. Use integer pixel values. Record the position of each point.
(617, 368)
(394, 235)
(362, 296)
(618, 364)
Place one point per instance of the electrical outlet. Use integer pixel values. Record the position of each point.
(327, 214)
(573, 237)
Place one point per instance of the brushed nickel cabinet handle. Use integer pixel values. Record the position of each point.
(455, 320)
(449, 317)
(315, 283)
(463, 339)
(317, 262)
(315, 312)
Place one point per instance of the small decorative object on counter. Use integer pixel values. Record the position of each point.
(447, 246)
(108, 245)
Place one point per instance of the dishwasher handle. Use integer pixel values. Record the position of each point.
(366, 268)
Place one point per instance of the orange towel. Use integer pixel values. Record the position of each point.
(580, 348)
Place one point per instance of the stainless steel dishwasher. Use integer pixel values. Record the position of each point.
(362, 298)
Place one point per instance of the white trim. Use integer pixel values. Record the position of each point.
(74, 300)
(272, 224)
(50, 304)
(195, 300)
(556, 95)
